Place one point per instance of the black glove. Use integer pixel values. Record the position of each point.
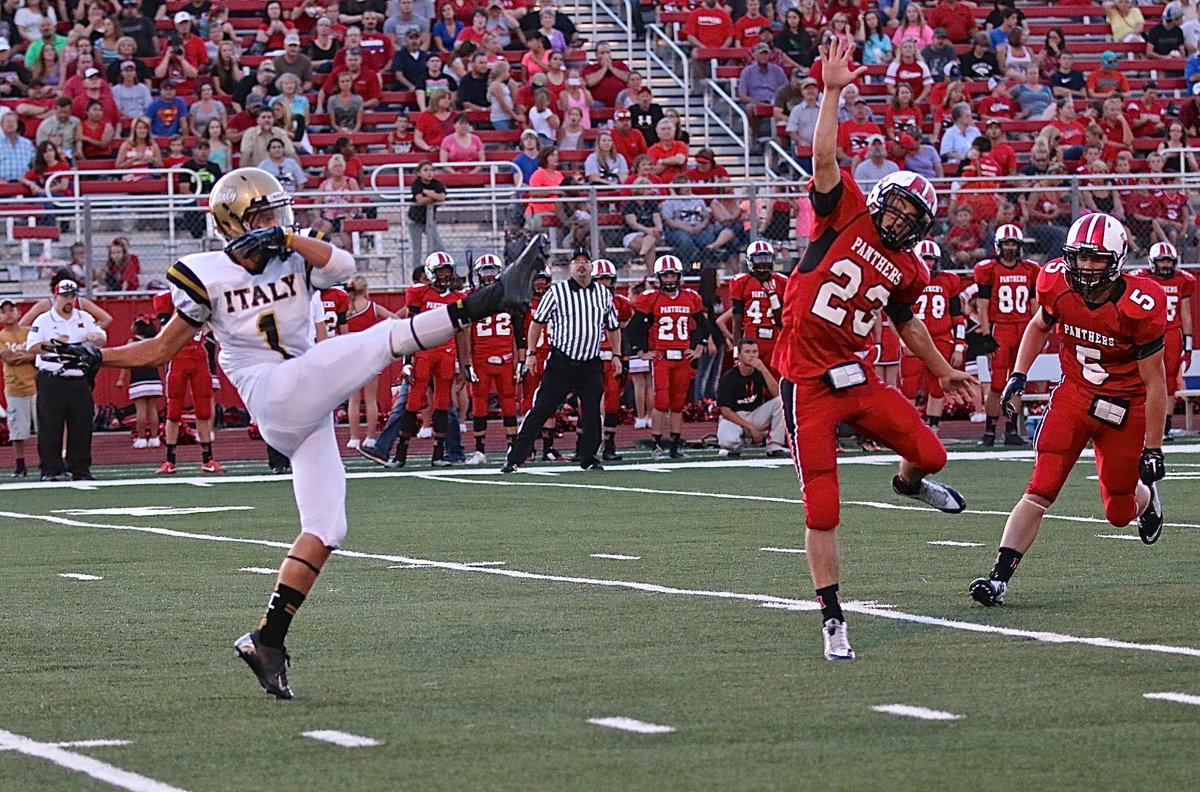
(255, 248)
(987, 343)
(83, 356)
(1152, 468)
(1014, 387)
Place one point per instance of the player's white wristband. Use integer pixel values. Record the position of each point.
(1187, 343)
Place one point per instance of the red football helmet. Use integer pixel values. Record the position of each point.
(886, 202)
(1009, 238)
(1095, 235)
(1164, 258)
(928, 251)
(666, 265)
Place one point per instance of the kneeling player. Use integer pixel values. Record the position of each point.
(1110, 327)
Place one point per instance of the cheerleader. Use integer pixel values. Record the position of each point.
(145, 389)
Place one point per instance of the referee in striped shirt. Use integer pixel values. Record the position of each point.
(579, 312)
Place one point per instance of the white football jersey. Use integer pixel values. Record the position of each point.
(257, 319)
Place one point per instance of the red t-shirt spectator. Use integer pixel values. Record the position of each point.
(1113, 131)
(712, 27)
(605, 92)
(630, 144)
(896, 120)
(659, 151)
(111, 114)
(995, 107)
(433, 129)
(376, 54)
(955, 17)
(366, 84)
(748, 28)
(966, 238)
(852, 136)
(1071, 134)
(915, 75)
(700, 179)
(1005, 157)
(275, 40)
(196, 54)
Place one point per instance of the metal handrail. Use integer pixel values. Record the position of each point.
(624, 24)
(711, 90)
(655, 31)
(777, 153)
(72, 198)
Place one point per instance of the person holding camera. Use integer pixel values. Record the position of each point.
(183, 55)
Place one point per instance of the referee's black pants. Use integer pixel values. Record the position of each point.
(64, 403)
(563, 375)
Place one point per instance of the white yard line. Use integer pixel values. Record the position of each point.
(908, 711)
(783, 550)
(344, 739)
(260, 570)
(1118, 536)
(631, 725)
(1180, 698)
(78, 576)
(101, 771)
(150, 511)
(616, 556)
(766, 600)
(948, 543)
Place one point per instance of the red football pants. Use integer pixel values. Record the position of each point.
(497, 378)
(612, 390)
(1173, 360)
(438, 364)
(916, 378)
(812, 413)
(672, 378)
(189, 371)
(1065, 431)
(1008, 336)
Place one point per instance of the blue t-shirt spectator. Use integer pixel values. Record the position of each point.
(166, 114)
(527, 164)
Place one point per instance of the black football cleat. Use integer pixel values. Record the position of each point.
(1150, 521)
(611, 456)
(509, 467)
(511, 292)
(988, 592)
(1014, 439)
(268, 663)
(988, 440)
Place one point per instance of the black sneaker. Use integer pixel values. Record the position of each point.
(778, 453)
(53, 477)
(592, 466)
(20, 473)
(1014, 439)
(611, 456)
(282, 470)
(988, 592)
(988, 440)
(375, 454)
(512, 290)
(509, 468)
(84, 476)
(1150, 521)
(268, 663)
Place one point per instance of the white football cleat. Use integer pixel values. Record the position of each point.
(837, 645)
(478, 458)
(424, 432)
(353, 444)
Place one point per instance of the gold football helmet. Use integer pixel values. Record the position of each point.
(249, 198)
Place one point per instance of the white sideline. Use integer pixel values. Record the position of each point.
(629, 724)
(101, 771)
(948, 543)
(344, 739)
(1181, 698)
(765, 600)
(260, 570)
(615, 556)
(79, 576)
(783, 550)
(908, 711)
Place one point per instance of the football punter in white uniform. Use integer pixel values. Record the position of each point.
(256, 296)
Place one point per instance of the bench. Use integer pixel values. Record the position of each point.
(356, 227)
(27, 234)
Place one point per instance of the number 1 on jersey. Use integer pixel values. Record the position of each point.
(268, 328)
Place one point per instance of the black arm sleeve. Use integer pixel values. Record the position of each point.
(899, 313)
(1143, 351)
(956, 306)
(639, 332)
(703, 328)
(518, 325)
(739, 308)
(824, 203)
(1047, 318)
(985, 291)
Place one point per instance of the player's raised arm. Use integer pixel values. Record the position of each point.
(836, 72)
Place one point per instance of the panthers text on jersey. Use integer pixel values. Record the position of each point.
(671, 317)
(846, 277)
(759, 304)
(1101, 345)
(260, 319)
(423, 297)
(1008, 290)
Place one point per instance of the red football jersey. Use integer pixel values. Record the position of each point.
(671, 322)
(1181, 285)
(493, 336)
(365, 318)
(422, 297)
(336, 305)
(193, 349)
(1012, 288)
(829, 307)
(544, 340)
(933, 306)
(1098, 346)
(761, 302)
(624, 314)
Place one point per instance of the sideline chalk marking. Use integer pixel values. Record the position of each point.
(631, 725)
(907, 711)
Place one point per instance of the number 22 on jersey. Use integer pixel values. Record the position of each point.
(834, 298)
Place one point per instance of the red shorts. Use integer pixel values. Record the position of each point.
(497, 378)
(1008, 337)
(915, 378)
(533, 378)
(1173, 359)
(889, 348)
(672, 378)
(1066, 429)
(813, 411)
(437, 364)
(189, 371)
(613, 385)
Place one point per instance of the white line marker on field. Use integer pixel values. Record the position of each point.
(260, 570)
(629, 724)
(1118, 536)
(616, 556)
(426, 564)
(344, 739)
(948, 543)
(907, 711)
(78, 744)
(153, 511)
(79, 576)
(782, 550)
(1181, 698)
(101, 771)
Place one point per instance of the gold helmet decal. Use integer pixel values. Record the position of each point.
(242, 194)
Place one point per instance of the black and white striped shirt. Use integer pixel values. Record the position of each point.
(578, 317)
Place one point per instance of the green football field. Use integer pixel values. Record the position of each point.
(476, 625)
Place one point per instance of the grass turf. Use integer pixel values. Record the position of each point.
(473, 680)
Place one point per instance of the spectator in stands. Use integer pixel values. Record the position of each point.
(168, 113)
(965, 238)
(400, 138)
(427, 193)
(709, 25)
(646, 115)
(687, 223)
(207, 174)
(812, 16)
(749, 23)
(183, 56)
(1189, 111)
(643, 222)
(14, 78)
(95, 134)
(293, 61)
(706, 173)
(261, 81)
(337, 201)
(1175, 218)
(629, 141)
(1004, 154)
(540, 207)
(1171, 147)
(914, 26)
(1094, 137)
(1010, 20)
(95, 89)
(435, 79)
(227, 73)
(957, 139)
(345, 107)
(802, 120)
(29, 16)
(254, 141)
(853, 134)
(376, 43)
(1125, 20)
(462, 145)
(366, 82)
(981, 196)
(939, 54)
(121, 268)
(956, 18)
(979, 62)
(1166, 40)
(48, 38)
(605, 77)
(478, 28)
(901, 112)
(1114, 124)
(472, 86)
(571, 132)
(1067, 82)
(562, 23)
(131, 96)
(1055, 44)
(576, 95)
(605, 165)
(731, 218)
(795, 42)
(628, 97)
(1096, 196)
(138, 27)
(324, 47)
(289, 96)
(998, 103)
(1015, 57)
(1033, 97)
(504, 113)
(543, 119)
(527, 158)
(556, 76)
(1108, 79)
(537, 59)
(61, 121)
(445, 30)
(919, 156)
(282, 166)
(1145, 115)
(46, 160)
(548, 31)
(876, 165)
(1000, 9)
(47, 68)
(668, 155)
(139, 150)
(1047, 212)
(757, 86)
(410, 63)
(105, 44)
(1050, 139)
(1067, 123)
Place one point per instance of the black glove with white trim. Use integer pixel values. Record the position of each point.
(82, 356)
(259, 246)
(1015, 387)
(988, 343)
(1151, 467)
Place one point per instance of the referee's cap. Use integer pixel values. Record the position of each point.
(581, 251)
(66, 287)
